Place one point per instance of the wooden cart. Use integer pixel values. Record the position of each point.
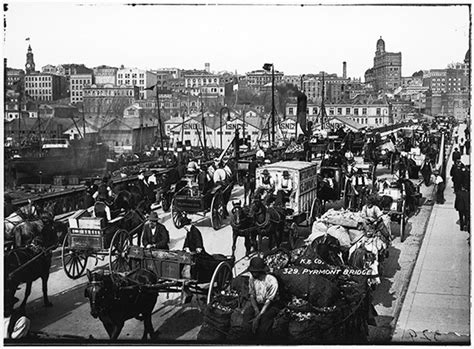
(92, 237)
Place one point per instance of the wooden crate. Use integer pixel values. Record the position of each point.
(81, 238)
(91, 223)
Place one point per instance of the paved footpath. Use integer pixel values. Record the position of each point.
(436, 308)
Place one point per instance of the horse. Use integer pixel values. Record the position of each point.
(268, 221)
(328, 249)
(115, 302)
(19, 269)
(243, 226)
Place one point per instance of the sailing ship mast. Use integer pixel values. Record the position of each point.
(322, 112)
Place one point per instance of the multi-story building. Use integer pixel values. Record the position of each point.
(76, 85)
(49, 69)
(198, 78)
(386, 73)
(293, 79)
(105, 75)
(45, 87)
(108, 100)
(257, 79)
(367, 113)
(14, 77)
(137, 77)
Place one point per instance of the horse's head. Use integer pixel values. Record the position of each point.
(98, 292)
(257, 207)
(237, 213)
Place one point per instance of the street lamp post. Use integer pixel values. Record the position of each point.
(296, 123)
(267, 67)
(220, 119)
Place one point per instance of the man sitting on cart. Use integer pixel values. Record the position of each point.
(284, 188)
(101, 209)
(267, 187)
(155, 234)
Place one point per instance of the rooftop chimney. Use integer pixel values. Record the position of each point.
(207, 67)
(344, 70)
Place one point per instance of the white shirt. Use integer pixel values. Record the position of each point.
(260, 153)
(285, 184)
(374, 212)
(228, 171)
(359, 180)
(438, 179)
(152, 179)
(219, 175)
(263, 290)
(329, 181)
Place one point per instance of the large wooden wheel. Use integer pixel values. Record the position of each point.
(403, 222)
(74, 261)
(348, 198)
(220, 281)
(165, 202)
(118, 252)
(217, 210)
(177, 215)
(316, 210)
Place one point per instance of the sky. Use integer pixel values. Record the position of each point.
(297, 39)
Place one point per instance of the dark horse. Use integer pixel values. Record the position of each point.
(115, 302)
(19, 269)
(243, 226)
(269, 221)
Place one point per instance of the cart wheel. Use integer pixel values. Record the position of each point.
(74, 261)
(316, 210)
(177, 215)
(217, 211)
(348, 195)
(118, 252)
(165, 202)
(221, 279)
(402, 223)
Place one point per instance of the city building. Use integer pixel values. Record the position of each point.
(15, 77)
(49, 69)
(293, 79)
(138, 77)
(386, 73)
(45, 87)
(257, 79)
(108, 100)
(76, 85)
(129, 135)
(105, 75)
(198, 78)
(335, 87)
(370, 113)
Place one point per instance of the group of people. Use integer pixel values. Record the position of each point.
(277, 191)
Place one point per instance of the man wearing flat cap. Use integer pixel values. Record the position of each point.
(263, 291)
(155, 234)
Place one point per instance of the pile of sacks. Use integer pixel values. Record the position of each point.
(353, 232)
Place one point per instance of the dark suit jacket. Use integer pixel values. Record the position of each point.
(193, 239)
(160, 239)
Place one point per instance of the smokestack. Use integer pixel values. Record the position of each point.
(207, 67)
(344, 70)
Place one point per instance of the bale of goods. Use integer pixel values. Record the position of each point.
(341, 234)
(304, 283)
(217, 317)
(277, 259)
(241, 324)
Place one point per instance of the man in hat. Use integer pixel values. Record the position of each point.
(104, 190)
(263, 292)
(267, 185)
(101, 209)
(360, 183)
(440, 185)
(285, 188)
(155, 234)
(462, 205)
(456, 155)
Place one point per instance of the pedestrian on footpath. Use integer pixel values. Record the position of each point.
(439, 185)
(456, 136)
(467, 132)
(467, 144)
(462, 205)
(457, 175)
(426, 171)
(456, 155)
(461, 146)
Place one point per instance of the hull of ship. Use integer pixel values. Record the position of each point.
(78, 161)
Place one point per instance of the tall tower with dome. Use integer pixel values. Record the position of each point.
(386, 73)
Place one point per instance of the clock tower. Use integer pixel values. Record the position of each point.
(30, 63)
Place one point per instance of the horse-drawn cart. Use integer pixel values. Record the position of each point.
(393, 203)
(179, 271)
(93, 237)
(190, 199)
